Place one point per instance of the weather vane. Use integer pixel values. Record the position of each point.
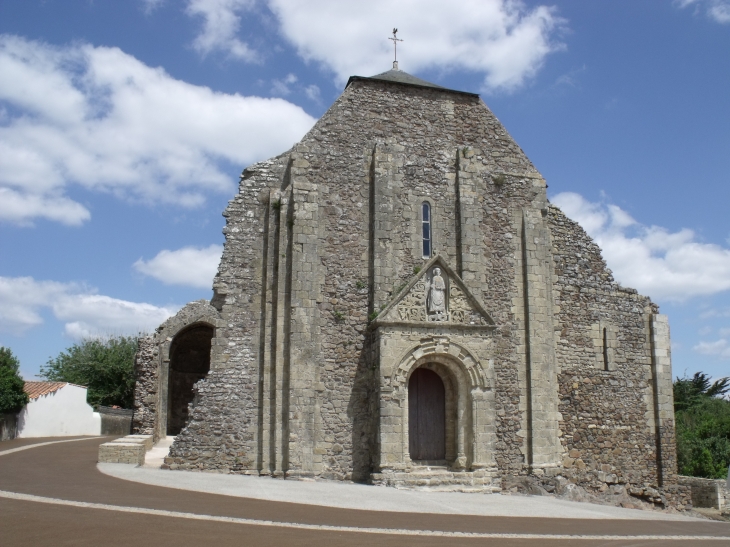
(395, 47)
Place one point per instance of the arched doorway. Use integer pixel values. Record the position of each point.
(189, 362)
(426, 416)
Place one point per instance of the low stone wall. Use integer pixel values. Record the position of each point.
(8, 427)
(115, 421)
(711, 493)
(130, 449)
(131, 453)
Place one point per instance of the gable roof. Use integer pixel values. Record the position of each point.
(36, 389)
(400, 77)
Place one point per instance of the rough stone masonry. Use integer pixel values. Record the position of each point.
(398, 303)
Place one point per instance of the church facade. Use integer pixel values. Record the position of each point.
(398, 303)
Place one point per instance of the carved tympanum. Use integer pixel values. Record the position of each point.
(412, 307)
(436, 297)
(461, 310)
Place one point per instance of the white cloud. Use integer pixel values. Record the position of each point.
(720, 348)
(19, 208)
(713, 313)
(221, 22)
(85, 313)
(313, 94)
(22, 298)
(283, 87)
(718, 10)
(100, 119)
(187, 266)
(502, 39)
(658, 263)
(148, 6)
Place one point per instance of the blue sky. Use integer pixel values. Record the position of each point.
(124, 126)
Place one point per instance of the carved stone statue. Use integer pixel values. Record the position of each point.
(437, 297)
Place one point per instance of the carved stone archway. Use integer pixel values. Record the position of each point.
(470, 433)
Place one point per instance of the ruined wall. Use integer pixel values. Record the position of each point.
(412, 145)
(321, 239)
(712, 493)
(221, 433)
(607, 388)
(152, 364)
(362, 171)
(146, 389)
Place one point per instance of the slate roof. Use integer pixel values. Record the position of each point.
(400, 77)
(36, 389)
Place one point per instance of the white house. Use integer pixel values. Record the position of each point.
(57, 409)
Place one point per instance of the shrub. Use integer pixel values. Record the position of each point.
(702, 426)
(12, 396)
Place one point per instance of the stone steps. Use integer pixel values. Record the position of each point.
(155, 458)
(439, 479)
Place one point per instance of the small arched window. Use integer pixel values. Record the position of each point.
(426, 228)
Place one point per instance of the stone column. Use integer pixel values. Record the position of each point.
(278, 200)
(485, 433)
(470, 187)
(544, 448)
(306, 294)
(661, 364)
(387, 181)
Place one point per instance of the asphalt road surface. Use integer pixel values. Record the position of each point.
(53, 495)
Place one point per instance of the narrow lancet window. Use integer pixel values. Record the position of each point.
(605, 350)
(426, 226)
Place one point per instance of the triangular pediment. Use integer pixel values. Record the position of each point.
(435, 296)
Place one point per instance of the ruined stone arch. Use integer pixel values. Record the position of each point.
(193, 316)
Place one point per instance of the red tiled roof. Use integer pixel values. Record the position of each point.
(36, 389)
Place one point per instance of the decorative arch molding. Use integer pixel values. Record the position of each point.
(443, 350)
(194, 313)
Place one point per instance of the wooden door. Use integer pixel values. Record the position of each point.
(426, 416)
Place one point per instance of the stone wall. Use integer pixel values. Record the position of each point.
(322, 240)
(712, 493)
(115, 421)
(225, 429)
(152, 367)
(608, 394)
(284, 268)
(146, 390)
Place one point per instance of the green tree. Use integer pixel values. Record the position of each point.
(703, 426)
(689, 392)
(105, 366)
(12, 396)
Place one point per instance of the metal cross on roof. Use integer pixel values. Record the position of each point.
(395, 47)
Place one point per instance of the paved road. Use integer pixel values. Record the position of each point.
(54, 495)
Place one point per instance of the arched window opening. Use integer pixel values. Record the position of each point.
(426, 228)
(605, 349)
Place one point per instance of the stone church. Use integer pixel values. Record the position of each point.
(398, 303)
